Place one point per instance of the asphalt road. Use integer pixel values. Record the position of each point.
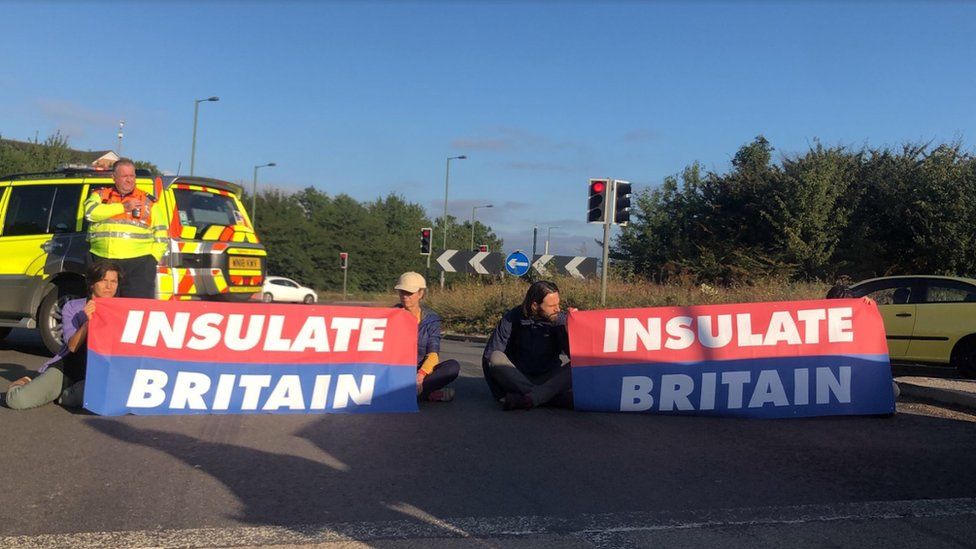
(465, 473)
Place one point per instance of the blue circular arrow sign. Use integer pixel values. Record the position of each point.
(517, 263)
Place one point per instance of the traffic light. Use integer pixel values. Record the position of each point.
(597, 206)
(482, 247)
(425, 240)
(343, 260)
(621, 207)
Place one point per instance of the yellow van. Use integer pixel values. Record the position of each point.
(213, 252)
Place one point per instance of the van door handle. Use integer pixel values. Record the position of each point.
(51, 245)
(903, 315)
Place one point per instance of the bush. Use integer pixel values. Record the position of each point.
(474, 307)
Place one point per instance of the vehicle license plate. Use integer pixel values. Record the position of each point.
(252, 263)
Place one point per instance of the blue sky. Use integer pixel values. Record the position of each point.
(371, 98)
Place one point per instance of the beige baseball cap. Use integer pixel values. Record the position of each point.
(411, 282)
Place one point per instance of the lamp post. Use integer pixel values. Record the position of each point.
(548, 233)
(196, 110)
(473, 208)
(535, 236)
(254, 195)
(447, 181)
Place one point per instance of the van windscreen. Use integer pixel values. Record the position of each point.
(203, 209)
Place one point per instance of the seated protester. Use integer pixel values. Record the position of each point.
(840, 291)
(62, 378)
(432, 374)
(526, 361)
(843, 291)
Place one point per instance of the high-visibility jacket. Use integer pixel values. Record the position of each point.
(115, 234)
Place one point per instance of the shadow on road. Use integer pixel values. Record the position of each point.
(24, 341)
(12, 372)
(468, 459)
(274, 489)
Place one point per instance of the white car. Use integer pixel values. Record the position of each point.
(279, 288)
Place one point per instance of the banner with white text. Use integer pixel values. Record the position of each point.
(770, 360)
(152, 357)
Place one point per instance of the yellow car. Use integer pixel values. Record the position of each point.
(928, 319)
(213, 252)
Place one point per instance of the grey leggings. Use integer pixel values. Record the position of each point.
(50, 386)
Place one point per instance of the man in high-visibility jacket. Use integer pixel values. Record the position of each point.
(127, 226)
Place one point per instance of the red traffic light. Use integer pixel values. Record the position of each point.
(425, 233)
(598, 186)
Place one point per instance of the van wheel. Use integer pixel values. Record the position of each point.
(964, 357)
(4, 332)
(308, 299)
(49, 321)
(268, 298)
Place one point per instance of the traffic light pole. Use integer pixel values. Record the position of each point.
(612, 194)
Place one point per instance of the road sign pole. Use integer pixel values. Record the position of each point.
(345, 276)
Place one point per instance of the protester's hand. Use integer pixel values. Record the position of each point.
(868, 300)
(22, 381)
(571, 309)
(420, 380)
(90, 308)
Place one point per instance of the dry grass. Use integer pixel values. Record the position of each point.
(474, 307)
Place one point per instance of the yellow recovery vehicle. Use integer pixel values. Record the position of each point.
(213, 252)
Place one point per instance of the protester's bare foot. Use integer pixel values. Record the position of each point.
(22, 381)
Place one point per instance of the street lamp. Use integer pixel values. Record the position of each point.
(254, 195)
(473, 208)
(196, 109)
(548, 233)
(447, 180)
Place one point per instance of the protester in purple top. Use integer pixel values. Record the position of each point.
(62, 378)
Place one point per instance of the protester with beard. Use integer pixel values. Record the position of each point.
(526, 361)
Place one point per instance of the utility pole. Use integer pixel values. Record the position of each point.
(118, 150)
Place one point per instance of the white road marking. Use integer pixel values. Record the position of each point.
(583, 526)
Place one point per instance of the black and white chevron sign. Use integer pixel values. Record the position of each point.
(491, 263)
(577, 266)
(456, 261)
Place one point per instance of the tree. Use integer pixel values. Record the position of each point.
(815, 215)
(27, 157)
(809, 208)
(305, 232)
(148, 166)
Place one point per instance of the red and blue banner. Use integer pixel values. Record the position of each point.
(770, 360)
(194, 357)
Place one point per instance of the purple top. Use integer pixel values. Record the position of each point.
(73, 317)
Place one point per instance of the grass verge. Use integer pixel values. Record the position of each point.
(474, 307)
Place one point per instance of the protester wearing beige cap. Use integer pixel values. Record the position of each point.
(432, 374)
